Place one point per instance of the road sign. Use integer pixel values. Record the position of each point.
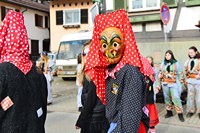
(165, 13)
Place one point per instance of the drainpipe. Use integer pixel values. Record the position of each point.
(26, 9)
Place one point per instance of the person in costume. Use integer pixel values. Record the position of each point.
(192, 68)
(92, 118)
(23, 89)
(156, 72)
(114, 65)
(150, 101)
(171, 77)
(45, 65)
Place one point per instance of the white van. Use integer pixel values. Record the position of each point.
(70, 46)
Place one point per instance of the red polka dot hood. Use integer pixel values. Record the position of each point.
(14, 47)
(148, 69)
(96, 64)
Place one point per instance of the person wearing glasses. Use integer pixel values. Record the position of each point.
(92, 117)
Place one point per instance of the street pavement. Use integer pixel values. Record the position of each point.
(62, 114)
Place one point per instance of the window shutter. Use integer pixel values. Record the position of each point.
(119, 4)
(46, 22)
(35, 47)
(36, 20)
(3, 12)
(59, 17)
(84, 16)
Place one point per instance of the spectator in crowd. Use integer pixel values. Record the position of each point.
(192, 68)
(92, 118)
(171, 77)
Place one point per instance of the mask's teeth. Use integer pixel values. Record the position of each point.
(114, 53)
(106, 54)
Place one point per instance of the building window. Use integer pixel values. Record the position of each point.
(139, 5)
(17, 10)
(72, 17)
(38, 20)
(59, 17)
(35, 47)
(46, 22)
(84, 16)
(4, 11)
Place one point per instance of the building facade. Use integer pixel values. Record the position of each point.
(68, 16)
(36, 19)
(149, 31)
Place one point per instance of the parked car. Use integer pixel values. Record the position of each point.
(70, 46)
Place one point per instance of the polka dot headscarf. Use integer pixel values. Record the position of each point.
(96, 63)
(14, 47)
(148, 70)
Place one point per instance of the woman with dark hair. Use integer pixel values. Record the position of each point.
(92, 118)
(170, 77)
(192, 68)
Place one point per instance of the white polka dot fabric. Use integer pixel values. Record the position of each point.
(14, 45)
(125, 106)
(96, 63)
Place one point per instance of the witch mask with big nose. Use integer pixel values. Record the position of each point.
(112, 46)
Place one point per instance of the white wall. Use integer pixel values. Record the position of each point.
(189, 17)
(171, 21)
(109, 4)
(137, 27)
(35, 33)
(153, 26)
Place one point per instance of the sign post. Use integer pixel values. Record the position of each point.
(165, 17)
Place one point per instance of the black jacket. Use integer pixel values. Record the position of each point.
(149, 91)
(92, 105)
(29, 95)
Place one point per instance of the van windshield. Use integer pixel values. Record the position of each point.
(70, 49)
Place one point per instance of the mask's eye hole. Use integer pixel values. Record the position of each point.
(115, 44)
(104, 45)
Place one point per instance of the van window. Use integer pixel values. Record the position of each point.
(70, 49)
